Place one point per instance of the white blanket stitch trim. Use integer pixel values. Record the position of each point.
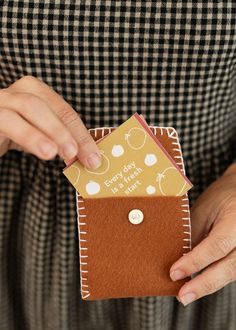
(85, 293)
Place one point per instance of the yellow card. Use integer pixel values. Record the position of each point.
(134, 163)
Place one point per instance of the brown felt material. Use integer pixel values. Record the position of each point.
(120, 259)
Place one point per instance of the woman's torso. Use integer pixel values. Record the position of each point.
(174, 62)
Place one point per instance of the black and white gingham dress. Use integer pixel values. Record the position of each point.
(174, 62)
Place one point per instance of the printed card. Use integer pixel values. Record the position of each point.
(134, 163)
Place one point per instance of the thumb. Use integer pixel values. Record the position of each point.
(199, 224)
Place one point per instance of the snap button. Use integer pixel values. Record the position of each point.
(135, 216)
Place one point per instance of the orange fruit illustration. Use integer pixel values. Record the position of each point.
(171, 182)
(136, 138)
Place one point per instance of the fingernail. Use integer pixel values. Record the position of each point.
(69, 150)
(188, 298)
(94, 161)
(177, 275)
(48, 149)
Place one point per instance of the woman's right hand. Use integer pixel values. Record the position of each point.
(35, 119)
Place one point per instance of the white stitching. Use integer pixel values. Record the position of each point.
(84, 294)
(87, 296)
(186, 209)
(172, 133)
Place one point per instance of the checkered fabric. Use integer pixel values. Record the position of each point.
(172, 61)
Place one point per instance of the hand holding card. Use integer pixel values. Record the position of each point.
(133, 163)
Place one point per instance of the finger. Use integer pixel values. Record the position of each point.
(88, 152)
(7, 144)
(70, 161)
(31, 108)
(210, 280)
(4, 145)
(18, 130)
(202, 216)
(230, 170)
(199, 223)
(220, 242)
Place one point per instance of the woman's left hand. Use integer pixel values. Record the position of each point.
(213, 218)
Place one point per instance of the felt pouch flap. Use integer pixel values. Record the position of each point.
(120, 259)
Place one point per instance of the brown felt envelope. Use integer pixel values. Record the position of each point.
(120, 259)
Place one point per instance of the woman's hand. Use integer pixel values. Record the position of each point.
(34, 118)
(214, 239)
